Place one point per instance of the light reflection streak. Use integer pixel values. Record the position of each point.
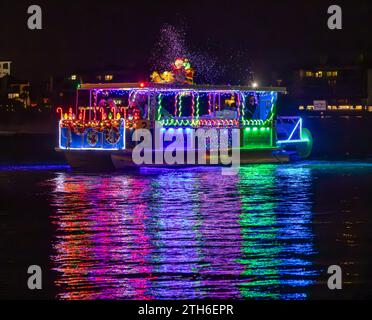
(101, 243)
(276, 228)
(183, 234)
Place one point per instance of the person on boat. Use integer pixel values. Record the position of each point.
(111, 103)
(230, 107)
(103, 103)
(251, 107)
(140, 110)
(229, 110)
(225, 106)
(145, 111)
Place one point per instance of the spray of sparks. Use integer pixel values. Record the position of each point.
(172, 45)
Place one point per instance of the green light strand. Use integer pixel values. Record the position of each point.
(197, 111)
(160, 98)
(197, 106)
(272, 110)
(180, 105)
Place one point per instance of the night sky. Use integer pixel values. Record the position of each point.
(269, 35)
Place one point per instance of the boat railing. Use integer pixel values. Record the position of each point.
(288, 129)
(92, 138)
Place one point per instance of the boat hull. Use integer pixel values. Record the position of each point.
(121, 160)
(124, 161)
(88, 160)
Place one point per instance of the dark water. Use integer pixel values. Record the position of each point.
(269, 232)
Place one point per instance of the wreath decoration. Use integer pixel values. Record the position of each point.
(112, 135)
(92, 137)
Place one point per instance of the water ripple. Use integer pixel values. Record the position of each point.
(172, 234)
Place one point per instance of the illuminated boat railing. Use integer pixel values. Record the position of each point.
(289, 130)
(183, 122)
(92, 137)
(180, 108)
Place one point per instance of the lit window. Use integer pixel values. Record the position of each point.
(301, 108)
(13, 95)
(73, 77)
(334, 73)
(319, 74)
(309, 74)
(329, 74)
(108, 77)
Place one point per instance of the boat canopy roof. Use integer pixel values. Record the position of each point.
(176, 87)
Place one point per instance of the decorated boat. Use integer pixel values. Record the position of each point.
(107, 127)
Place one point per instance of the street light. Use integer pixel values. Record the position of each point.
(254, 84)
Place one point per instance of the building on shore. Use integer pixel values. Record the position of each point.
(13, 92)
(4, 67)
(62, 89)
(328, 87)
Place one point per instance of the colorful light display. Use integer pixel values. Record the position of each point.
(95, 135)
(107, 120)
(160, 235)
(181, 73)
(173, 101)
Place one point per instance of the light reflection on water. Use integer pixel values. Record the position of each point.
(183, 234)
